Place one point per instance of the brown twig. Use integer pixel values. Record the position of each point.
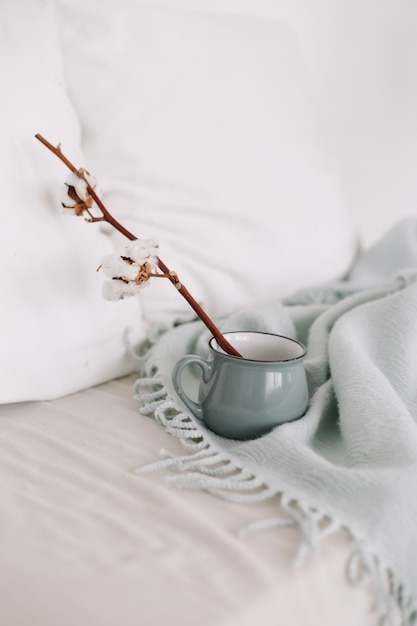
(172, 277)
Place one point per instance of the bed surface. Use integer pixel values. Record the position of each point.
(86, 541)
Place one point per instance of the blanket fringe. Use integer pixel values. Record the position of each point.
(312, 525)
(206, 468)
(393, 602)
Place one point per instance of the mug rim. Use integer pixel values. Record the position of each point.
(221, 352)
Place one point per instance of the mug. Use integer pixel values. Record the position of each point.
(243, 398)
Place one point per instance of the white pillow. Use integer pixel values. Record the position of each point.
(202, 129)
(57, 334)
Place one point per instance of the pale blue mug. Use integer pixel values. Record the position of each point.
(243, 398)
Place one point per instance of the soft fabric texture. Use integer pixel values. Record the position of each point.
(84, 542)
(203, 130)
(351, 460)
(57, 334)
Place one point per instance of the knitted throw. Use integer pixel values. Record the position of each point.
(351, 461)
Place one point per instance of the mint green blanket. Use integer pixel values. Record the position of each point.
(351, 461)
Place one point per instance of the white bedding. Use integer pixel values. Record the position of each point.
(86, 542)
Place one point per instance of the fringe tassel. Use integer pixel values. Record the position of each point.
(313, 526)
(393, 602)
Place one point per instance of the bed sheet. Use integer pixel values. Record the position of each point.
(86, 541)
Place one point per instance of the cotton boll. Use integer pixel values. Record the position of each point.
(76, 195)
(130, 270)
(80, 183)
(79, 186)
(92, 181)
(142, 250)
(111, 290)
(72, 180)
(118, 290)
(66, 200)
(114, 266)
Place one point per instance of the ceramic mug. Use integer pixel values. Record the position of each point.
(243, 398)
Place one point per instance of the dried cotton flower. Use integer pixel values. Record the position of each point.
(142, 251)
(76, 196)
(115, 266)
(130, 270)
(119, 290)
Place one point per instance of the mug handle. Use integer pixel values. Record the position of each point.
(206, 368)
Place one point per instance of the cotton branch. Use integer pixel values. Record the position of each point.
(172, 276)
